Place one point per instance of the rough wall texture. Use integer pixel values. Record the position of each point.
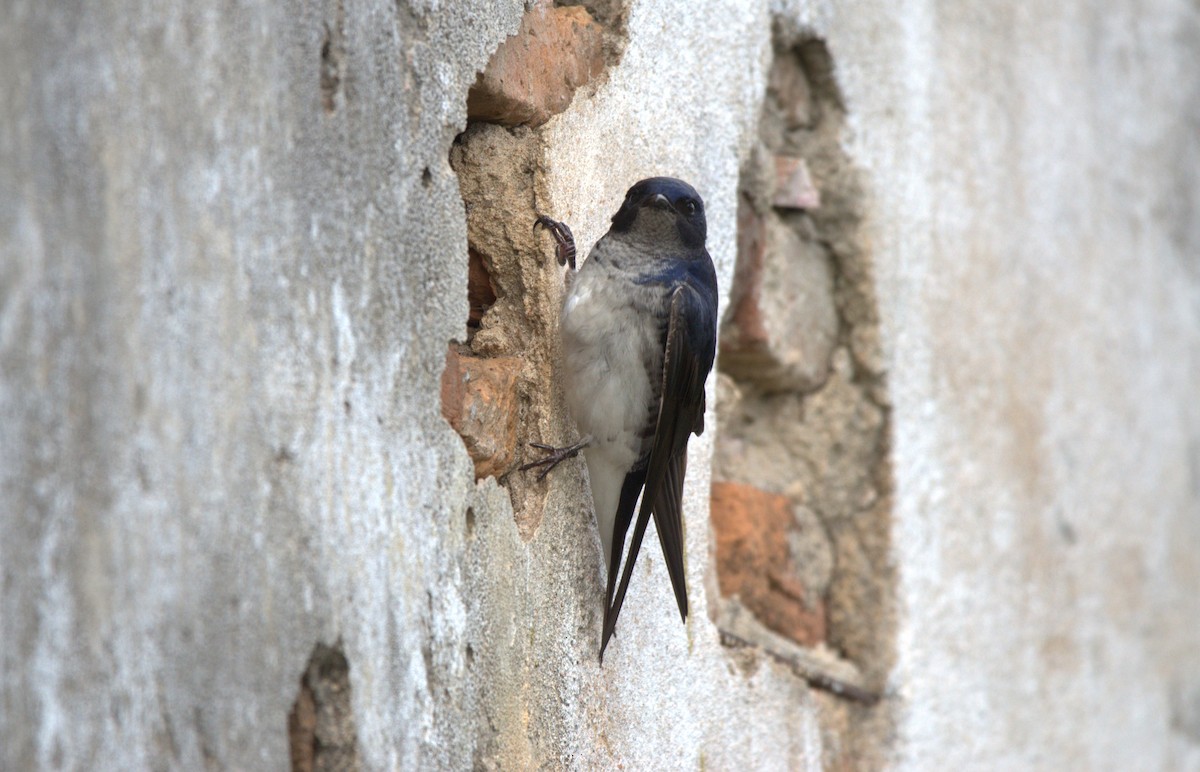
(233, 253)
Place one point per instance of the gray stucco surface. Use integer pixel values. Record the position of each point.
(224, 312)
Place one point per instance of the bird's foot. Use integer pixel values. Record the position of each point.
(563, 239)
(554, 456)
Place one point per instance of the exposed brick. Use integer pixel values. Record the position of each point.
(534, 74)
(746, 290)
(794, 186)
(480, 401)
(782, 324)
(753, 561)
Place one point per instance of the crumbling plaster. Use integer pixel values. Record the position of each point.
(225, 312)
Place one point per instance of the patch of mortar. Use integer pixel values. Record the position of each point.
(514, 284)
(497, 167)
(825, 448)
(613, 15)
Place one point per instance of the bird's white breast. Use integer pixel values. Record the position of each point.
(608, 341)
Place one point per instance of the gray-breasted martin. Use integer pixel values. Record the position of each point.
(639, 333)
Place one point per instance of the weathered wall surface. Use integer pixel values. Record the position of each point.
(233, 253)
(1036, 184)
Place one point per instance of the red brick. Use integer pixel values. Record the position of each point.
(753, 561)
(480, 401)
(534, 74)
(746, 291)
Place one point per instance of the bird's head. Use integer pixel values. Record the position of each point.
(663, 208)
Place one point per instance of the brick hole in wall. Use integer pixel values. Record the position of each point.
(321, 728)
(497, 386)
(801, 483)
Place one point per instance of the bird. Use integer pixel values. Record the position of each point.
(639, 333)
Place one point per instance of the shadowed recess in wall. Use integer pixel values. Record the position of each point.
(497, 388)
(333, 55)
(321, 731)
(801, 481)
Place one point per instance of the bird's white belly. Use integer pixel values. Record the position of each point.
(606, 345)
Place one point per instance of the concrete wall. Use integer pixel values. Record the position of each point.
(233, 254)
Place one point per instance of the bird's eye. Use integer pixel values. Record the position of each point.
(689, 208)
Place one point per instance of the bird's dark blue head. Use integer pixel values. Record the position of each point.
(657, 201)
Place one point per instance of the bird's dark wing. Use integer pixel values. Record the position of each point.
(686, 361)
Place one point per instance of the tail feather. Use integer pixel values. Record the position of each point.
(630, 491)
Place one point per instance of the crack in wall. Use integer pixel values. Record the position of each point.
(802, 480)
(333, 55)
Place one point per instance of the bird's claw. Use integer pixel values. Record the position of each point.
(564, 240)
(554, 456)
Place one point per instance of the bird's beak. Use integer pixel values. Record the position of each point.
(658, 201)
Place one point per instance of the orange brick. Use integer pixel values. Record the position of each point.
(753, 562)
(480, 401)
(534, 74)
